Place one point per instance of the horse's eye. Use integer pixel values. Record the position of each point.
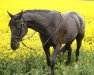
(18, 27)
(15, 21)
(18, 21)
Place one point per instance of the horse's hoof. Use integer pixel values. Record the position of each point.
(48, 64)
(43, 68)
(67, 63)
(76, 60)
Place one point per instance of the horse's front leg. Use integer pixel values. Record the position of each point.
(53, 60)
(47, 52)
(46, 49)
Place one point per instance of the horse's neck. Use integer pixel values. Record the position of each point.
(36, 22)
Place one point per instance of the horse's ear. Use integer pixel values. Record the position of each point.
(10, 14)
(20, 14)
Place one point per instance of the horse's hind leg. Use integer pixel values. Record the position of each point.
(79, 41)
(68, 47)
(63, 49)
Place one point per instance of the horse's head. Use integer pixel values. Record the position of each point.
(18, 29)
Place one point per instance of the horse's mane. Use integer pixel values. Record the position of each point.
(38, 10)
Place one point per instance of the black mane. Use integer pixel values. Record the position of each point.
(38, 11)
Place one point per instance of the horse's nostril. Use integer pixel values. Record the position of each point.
(14, 45)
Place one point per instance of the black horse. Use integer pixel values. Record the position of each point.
(54, 28)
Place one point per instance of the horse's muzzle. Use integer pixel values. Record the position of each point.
(14, 45)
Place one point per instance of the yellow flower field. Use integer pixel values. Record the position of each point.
(86, 9)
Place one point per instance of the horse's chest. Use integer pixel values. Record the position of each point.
(48, 40)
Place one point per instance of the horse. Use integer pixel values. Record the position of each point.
(54, 30)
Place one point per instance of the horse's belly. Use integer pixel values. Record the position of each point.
(70, 36)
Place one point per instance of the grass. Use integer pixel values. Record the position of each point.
(33, 62)
(32, 65)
